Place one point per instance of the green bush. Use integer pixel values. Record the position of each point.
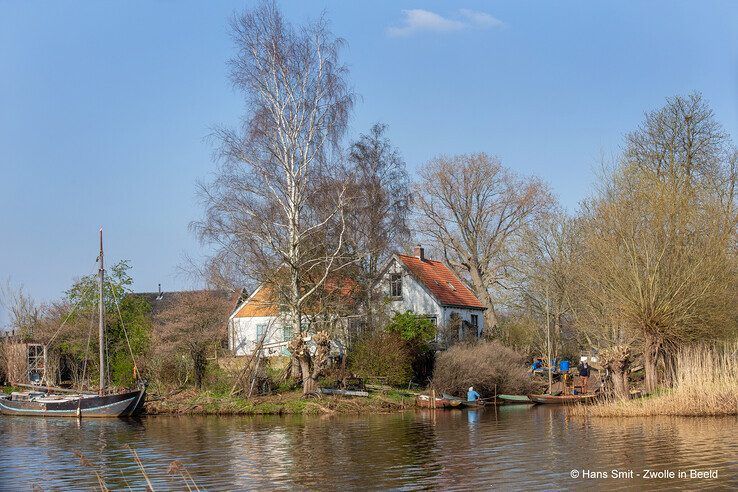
(412, 327)
(217, 379)
(383, 354)
(418, 332)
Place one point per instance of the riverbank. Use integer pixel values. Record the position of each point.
(666, 403)
(705, 385)
(192, 402)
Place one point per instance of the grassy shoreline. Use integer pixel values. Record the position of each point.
(706, 385)
(665, 403)
(193, 402)
(208, 402)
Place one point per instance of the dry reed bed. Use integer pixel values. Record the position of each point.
(706, 384)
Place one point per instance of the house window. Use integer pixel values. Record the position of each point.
(287, 333)
(260, 330)
(396, 285)
(433, 320)
(475, 321)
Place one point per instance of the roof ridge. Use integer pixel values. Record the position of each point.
(424, 259)
(441, 281)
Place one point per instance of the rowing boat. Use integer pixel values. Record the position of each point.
(425, 401)
(515, 398)
(464, 403)
(562, 399)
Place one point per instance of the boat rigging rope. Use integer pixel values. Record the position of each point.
(125, 332)
(69, 315)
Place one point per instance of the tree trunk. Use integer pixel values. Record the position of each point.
(650, 362)
(309, 383)
(617, 360)
(296, 320)
(200, 361)
(480, 289)
(621, 387)
(295, 372)
(669, 360)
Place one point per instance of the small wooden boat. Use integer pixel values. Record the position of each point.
(562, 399)
(424, 401)
(515, 398)
(463, 402)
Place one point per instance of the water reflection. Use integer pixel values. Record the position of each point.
(507, 447)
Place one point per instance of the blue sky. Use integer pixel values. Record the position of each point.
(105, 106)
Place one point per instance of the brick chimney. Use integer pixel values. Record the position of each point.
(419, 252)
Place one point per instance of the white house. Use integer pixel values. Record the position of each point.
(408, 283)
(428, 287)
(257, 317)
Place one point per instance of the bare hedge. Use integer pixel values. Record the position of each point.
(485, 366)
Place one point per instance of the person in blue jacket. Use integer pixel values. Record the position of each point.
(472, 395)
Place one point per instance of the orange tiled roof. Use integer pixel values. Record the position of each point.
(441, 281)
(263, 301)
(260, 304)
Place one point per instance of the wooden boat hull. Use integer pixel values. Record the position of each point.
(515, 399)
(118, 405)
(473, 404)
(461, 401)
(561, 399)
(425, 402)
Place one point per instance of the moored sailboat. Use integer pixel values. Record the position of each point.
(42, 402)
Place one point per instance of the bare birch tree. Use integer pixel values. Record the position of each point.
(273, 204)
(472, 208)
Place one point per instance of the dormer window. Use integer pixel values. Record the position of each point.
(395, 285)
(451, 286)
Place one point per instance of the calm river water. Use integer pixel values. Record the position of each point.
(510, 447)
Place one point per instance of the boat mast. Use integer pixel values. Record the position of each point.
(101, 316)
(548, 343)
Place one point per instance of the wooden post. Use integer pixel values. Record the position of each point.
(433, 398)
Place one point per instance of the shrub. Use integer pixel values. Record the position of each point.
(383, 354)
(418, 332)
(412, 327)
(486, 366)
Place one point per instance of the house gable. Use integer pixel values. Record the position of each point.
(414, 296)
(438, 281)
(258, 304)
(432, 289)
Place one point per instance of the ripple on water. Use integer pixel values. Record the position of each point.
(505, 448)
